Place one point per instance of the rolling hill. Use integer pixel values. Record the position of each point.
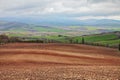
(38, 30)
(17, 27)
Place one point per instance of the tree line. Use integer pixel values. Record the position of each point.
(5, 39)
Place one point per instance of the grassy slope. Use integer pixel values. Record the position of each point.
(111, 42)
(111, 39)
(103, 39)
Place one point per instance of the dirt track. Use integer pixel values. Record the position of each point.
(32, 61)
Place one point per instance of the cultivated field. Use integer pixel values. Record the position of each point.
(34, 61)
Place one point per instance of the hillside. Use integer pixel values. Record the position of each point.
(22, 27)
(112, 38)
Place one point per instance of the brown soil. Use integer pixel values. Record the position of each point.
(33, 61)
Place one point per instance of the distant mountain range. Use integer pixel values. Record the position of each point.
(101, 22)
(65, 22)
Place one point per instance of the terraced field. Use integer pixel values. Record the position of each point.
(33, 61)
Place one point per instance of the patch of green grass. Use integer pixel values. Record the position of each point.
(111, 39)
(41, 29)
(91, 27)
(97, 38)
(110, 42)
(57, 38)
(102, 37)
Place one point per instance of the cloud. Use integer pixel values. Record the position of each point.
(98, 17)
(61, 8)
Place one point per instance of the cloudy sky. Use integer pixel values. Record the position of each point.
(71, 9)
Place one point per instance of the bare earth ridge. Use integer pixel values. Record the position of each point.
(34, 61)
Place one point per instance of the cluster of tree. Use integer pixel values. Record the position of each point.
(5, 39)
(119, 47)
(71, 40)
(43, 40)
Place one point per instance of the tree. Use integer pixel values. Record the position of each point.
(60, 35)
(71, 41)
(77, 41)
(107, 45)
(119, 46)
(14, 39)
(4, 38)
(83, 40)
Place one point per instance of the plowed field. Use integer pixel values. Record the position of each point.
(34, 61)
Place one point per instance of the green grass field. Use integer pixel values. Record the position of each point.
(111, 42)
(110, 38)
(41, 29)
